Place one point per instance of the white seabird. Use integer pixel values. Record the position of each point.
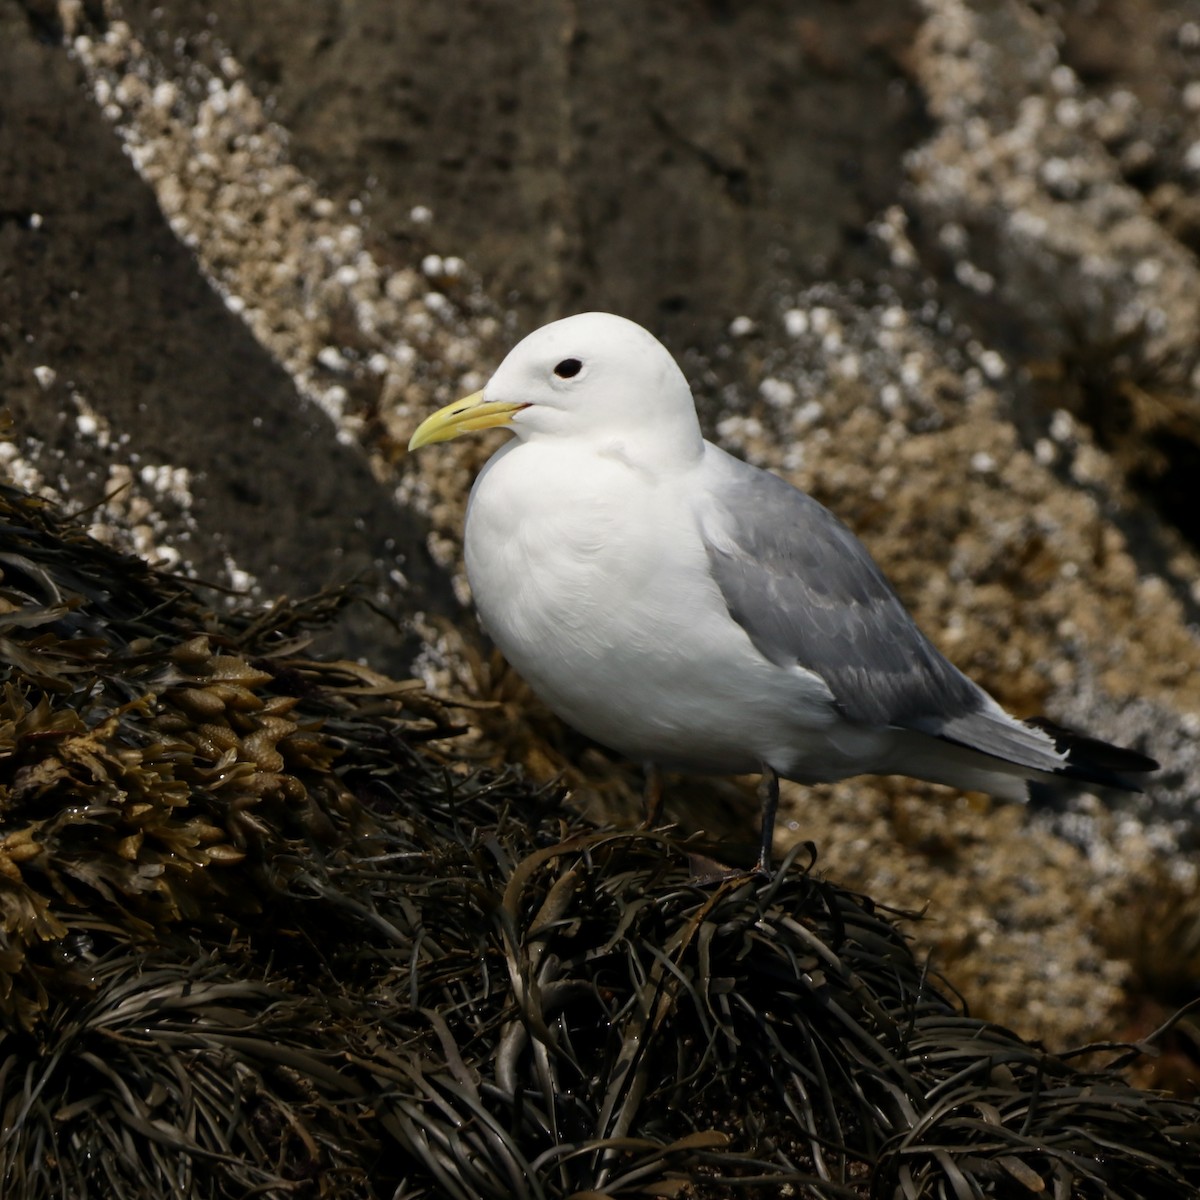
(694, 612)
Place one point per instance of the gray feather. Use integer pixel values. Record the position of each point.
(992, 731)
(806, 591)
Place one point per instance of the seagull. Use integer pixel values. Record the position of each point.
(693, 612)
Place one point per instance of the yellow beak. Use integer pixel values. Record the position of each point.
(467, 415)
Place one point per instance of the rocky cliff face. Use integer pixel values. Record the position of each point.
(935, 263)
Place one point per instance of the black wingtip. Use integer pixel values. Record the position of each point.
(1093, 761)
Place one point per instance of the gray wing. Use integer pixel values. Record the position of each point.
(807, 592)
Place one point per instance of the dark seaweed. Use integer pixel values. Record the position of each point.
(259, 937)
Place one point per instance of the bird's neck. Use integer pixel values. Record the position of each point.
(653, 455)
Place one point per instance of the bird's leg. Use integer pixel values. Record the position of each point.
(652, 795)
(768, 798)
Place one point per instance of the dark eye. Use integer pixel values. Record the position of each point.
(568, 368)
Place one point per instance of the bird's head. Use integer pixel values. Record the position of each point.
(594, 376)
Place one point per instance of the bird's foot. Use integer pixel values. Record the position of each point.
(763, 867)
(708, 871)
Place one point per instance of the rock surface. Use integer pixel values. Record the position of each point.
(935, 263)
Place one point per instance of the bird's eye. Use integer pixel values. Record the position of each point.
(568, 368)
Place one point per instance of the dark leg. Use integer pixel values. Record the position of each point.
(768, 798)
(652, 795)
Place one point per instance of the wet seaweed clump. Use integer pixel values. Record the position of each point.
(262, 935)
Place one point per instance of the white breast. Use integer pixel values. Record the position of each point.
(591, 577)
